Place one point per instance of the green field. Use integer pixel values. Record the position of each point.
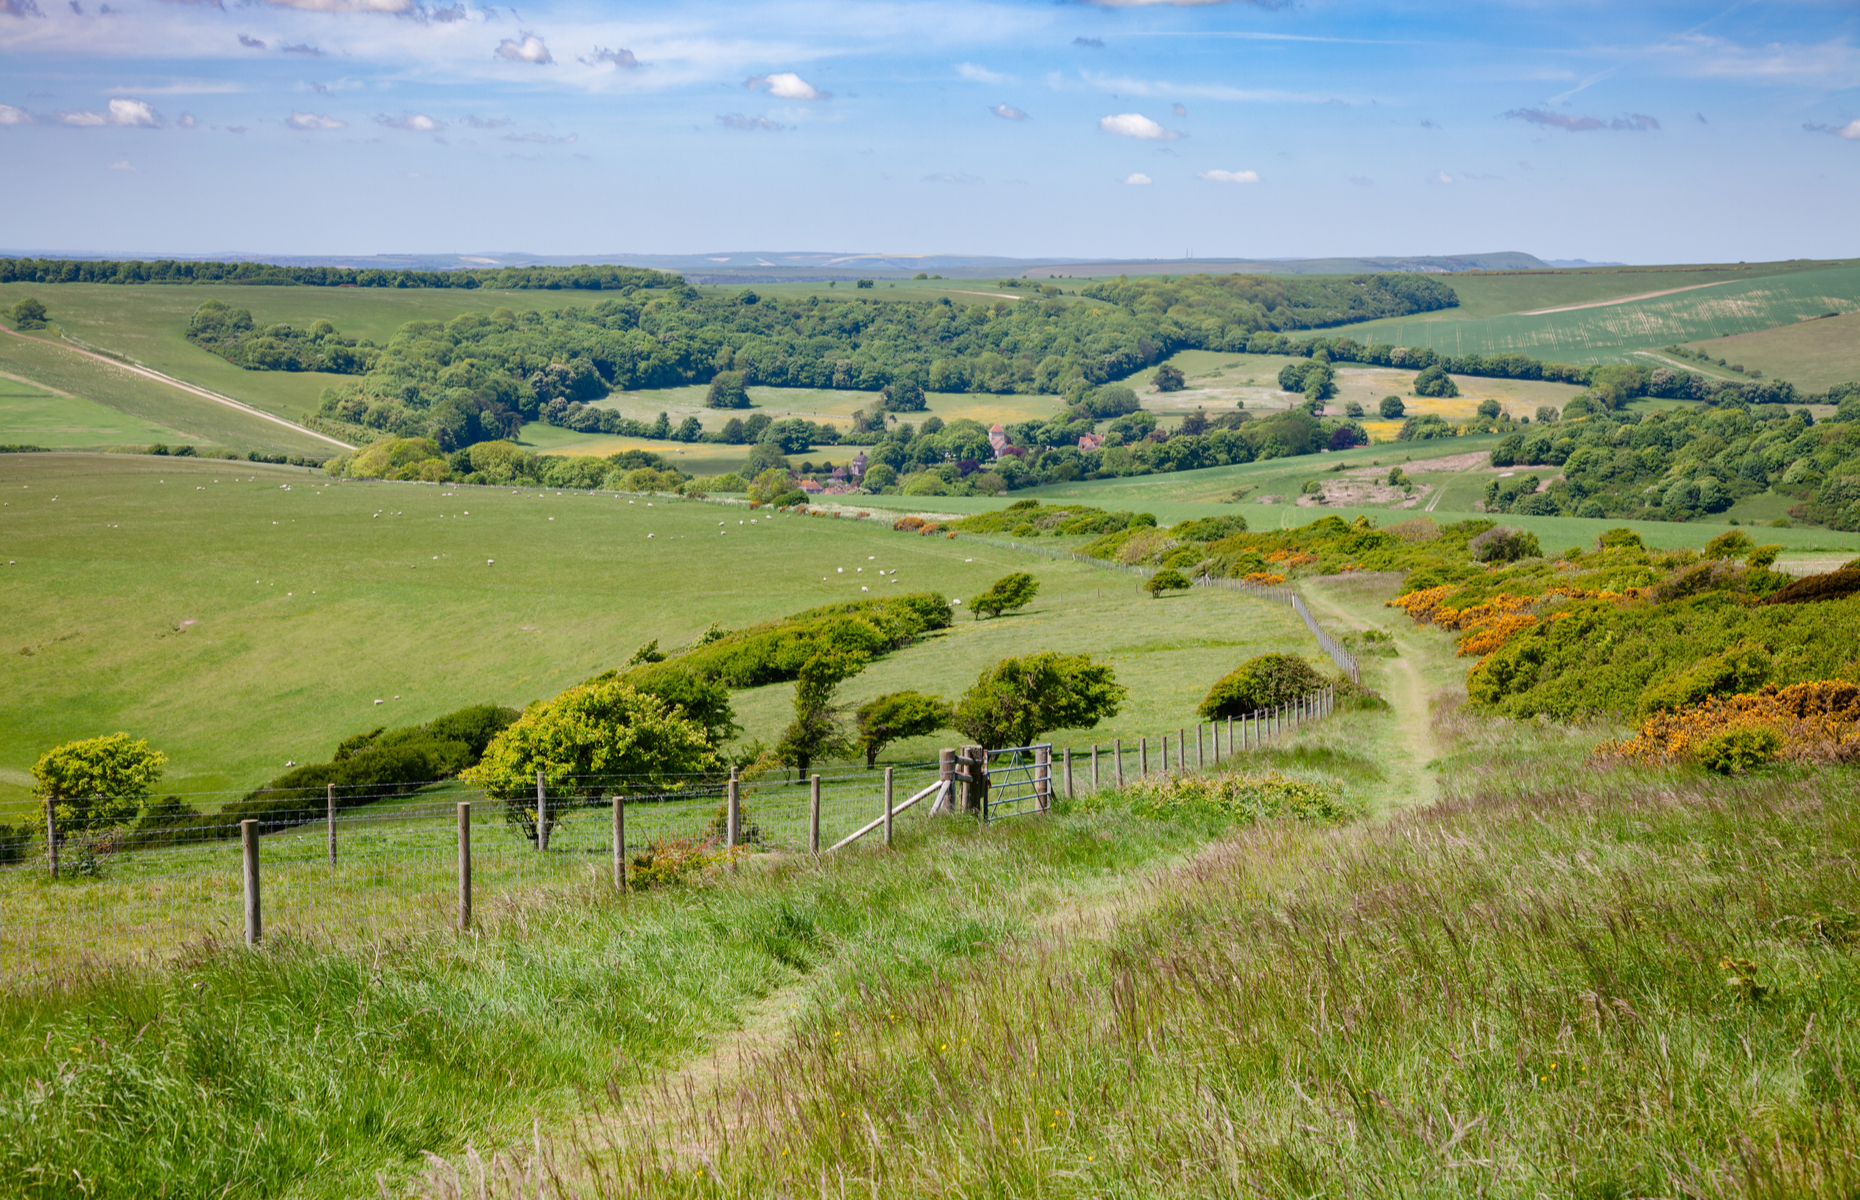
(1615, 332)
(37, 416)
(240, 617)
(1810, 354)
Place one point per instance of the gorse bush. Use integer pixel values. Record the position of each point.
(1262, 682)
(774, 651)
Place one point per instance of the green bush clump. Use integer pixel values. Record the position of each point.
(774, 651)
(1744, 667)
(1812, 589)
(1166, 580)
(1260, 683)
(1735, 751)
(1029, 518)
(1208, 529)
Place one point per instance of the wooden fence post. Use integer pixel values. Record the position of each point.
(1119, 762)
(542, 814)
(1230, 737)
(975, 792)
(254, 914)
(888, 795)
(733, 813)
(464, 866)
(1043, 777)
(1164, 739)
(945, 775)
(1068, 772)
(1094, 768)
(1143, 757)
(332, 824)
(1198, 745)
(813, 815)
(620, 843)
(51, 835)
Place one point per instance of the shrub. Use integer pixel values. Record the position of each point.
(97, 782)
(1735, 751)
(888, 718)
(1169, 378)
(29, 313)
(672, 861)
(1260, 683)
(1225, 799)
(1811, 589)
(1503, 544)
(1015, 701)
(1744, 667)
(1166, 580)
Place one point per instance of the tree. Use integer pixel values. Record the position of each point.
(904, 395)
(1112, 400)
(1195, 423)
(1353, 410)
(1007, 592)
(886, 719)
(1391, 408)
(1435, 381)
(29, 313)
(1260, 683)
(1169, 378)
(1489, 409)
(588, 740)
(727, 391)
(1015, 701)
(99, 782)
(1169, 580)
(1503, 544)
(1548, 415)
(769, 485)
(878, 477)
(815, 731)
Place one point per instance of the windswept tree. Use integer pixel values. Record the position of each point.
(896, 715)
(1166, 580)
(816, 730)
(1008, 592)
(1015, 701)
(599, 737)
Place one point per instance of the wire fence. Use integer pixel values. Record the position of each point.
(353, 867)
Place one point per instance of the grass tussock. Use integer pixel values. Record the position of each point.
(1600, 984)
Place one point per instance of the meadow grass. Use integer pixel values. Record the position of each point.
(1557, 981)
(39, 416)
(303, 1068)
(240, 616)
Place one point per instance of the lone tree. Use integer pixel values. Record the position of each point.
(727, 391)
(99, 782)
(896, 715)
(1169, 378)
(1169, 580)
(1259, 683)
(29, 313)
(1435, 381)
(1489, 409)
(1008, 592)
(1391, 408)
(816, 731)
(583, 738)
(1013, 702)
(903, 395)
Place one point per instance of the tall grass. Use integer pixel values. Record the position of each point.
(1555, 982)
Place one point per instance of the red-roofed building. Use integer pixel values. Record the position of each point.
(1091, 441)
(997, 437)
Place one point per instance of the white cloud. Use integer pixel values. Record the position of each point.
(1138, 180)
(314, 121)
(1007, 112)
(411, 122)
(621, 59)
(786, 85)
(188, 121)
(122, 111)
(543, 139)
(121, 166)
(749, 124)
(947, 177)
(14, 116)
(525, 48)
(1442, 177)
(347, 6)
(977, 74)
(1834, 62)
(1136, 125)
(1228, 176)
(1850, 131)
(1125, 85)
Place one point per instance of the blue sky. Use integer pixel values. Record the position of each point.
(1643, 132)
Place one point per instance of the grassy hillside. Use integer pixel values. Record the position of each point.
(1612, 332)
(40, 416)
(240, 617)
(1811, 354)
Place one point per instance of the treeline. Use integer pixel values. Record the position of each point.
(583, 278)
(1679, 464)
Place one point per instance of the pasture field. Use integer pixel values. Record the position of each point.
(240, 617)
(39, 416)
(124, 400)
(821, 405)
(1615, 332)
(1810, 354)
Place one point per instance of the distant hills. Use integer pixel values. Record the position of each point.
(775, 266)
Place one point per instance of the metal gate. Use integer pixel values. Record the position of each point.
(1020, 781)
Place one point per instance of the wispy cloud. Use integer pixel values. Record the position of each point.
(347, 6)
(411, 122)
(183, 87)
(1136, 125)
(1228, 176)
(250, 42)
(1266, 4)
(1125, 85)
(1441, 177)
(485, 122)
(525, 47)
(1850, 131)
(313, 122)
(1835, 62)
(121, 111)
(187, 121)
(946, 177)
(1362, 181)
(980, 74)
(1569, 123)
(1138, 179)
(748, 124)
(19, 8)
(786, 85)
(1088, 43)
(121, 166)
(1179, 110)
(621, 59)
(302, 48)
(1007, 112)
(542, 139)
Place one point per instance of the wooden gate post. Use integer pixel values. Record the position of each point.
(975, 790)
(620, 843)
(464, 865)
(733, 812)
(1043, 777)
(813, 815)
(51, 835)
(542, 815)
(945, 775)
(254, 914)
(332, 824)
(1094, 768)
(1068, 772)
(888, 795)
